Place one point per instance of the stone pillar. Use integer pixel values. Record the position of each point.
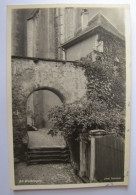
(82, 159)
(92, 159)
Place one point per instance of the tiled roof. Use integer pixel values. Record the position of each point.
(97, 22)
(100, 20)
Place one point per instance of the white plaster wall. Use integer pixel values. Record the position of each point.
(81, 49)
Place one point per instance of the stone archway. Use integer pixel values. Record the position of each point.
(65, 79)
(39, 103)
(20, 129)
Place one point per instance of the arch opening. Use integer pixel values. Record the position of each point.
(39, 103)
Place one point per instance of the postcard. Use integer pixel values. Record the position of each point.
(68, 95)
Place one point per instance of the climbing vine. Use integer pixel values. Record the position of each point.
(104, 104)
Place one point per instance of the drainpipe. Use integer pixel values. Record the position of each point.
(64, 54)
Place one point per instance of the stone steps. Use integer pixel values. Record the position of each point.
(46, 149)
(46, 152)
(48, 155)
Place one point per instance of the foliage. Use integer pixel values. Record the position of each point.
(102, 82)
(82, 116)
(104, 106)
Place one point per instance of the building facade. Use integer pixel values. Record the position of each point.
(61, 29)
(64, 34)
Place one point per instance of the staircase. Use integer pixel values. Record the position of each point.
(48, 155)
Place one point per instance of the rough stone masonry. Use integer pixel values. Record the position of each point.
(65, 79)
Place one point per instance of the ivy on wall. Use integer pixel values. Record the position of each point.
(104, 107)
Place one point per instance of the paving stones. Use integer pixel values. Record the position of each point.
(45, 174)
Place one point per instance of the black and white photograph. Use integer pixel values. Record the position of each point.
(68, 96)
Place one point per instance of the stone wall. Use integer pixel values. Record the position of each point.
(28, 75)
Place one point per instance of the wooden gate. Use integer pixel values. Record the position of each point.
(109, 158)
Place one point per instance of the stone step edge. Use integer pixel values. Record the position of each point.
(49, 157)
(47, 148)
(48, 161)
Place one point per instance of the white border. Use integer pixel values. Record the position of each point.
(9, 105)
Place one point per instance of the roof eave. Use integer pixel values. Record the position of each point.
(33, 14)
(87, 34)
(81, 37)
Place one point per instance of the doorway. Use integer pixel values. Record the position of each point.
(39, 104)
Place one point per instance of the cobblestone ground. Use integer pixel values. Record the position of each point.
(45, 174)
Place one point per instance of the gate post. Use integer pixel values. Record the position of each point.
(92, 158)
(92, 136)
(82, 158)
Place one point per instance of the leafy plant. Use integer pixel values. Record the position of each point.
(103, 108)
(85, 115)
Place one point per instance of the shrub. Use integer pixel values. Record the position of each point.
(85, 115)
(102, 109)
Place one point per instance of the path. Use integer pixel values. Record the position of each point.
(41, 138)
(51, 173)
(45, 174)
